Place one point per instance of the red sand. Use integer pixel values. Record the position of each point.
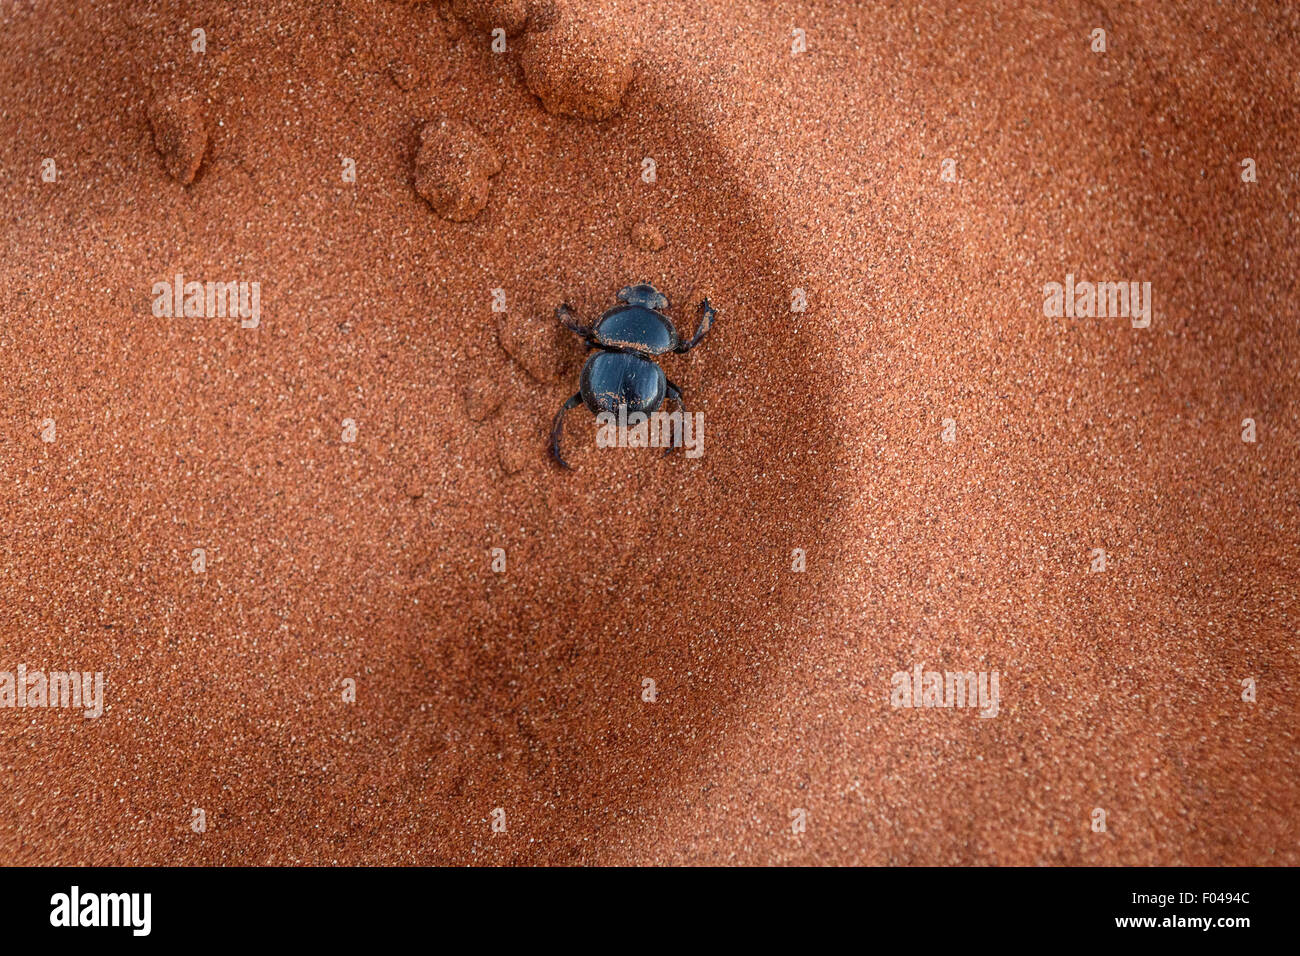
(371, 559)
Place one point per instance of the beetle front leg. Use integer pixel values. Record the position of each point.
(570, 321)
(706, 321)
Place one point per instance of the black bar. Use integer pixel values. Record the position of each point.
(946, 906)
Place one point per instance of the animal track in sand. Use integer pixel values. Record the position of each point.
(179, 134)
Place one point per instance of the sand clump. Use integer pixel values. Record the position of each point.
(508, 15)
(452, 169)
(648, 237)
(576, 69)
(180, 135)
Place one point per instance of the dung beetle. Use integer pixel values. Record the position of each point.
(622, 370)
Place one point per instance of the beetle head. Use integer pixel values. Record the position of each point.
(644, 295)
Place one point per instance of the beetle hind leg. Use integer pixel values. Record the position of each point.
(674, 394)
(557, 428)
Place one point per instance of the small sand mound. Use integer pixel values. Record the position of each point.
(647, 236)
(180, 135)
(488, 15)
(577, 69)
(452, 169)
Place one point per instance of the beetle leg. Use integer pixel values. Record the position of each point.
(707, 315)
(558, 428)
(570, 321)
(674, 394)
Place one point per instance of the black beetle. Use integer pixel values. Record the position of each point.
(623, 371)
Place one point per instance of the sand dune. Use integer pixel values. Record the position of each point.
(907, 463)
